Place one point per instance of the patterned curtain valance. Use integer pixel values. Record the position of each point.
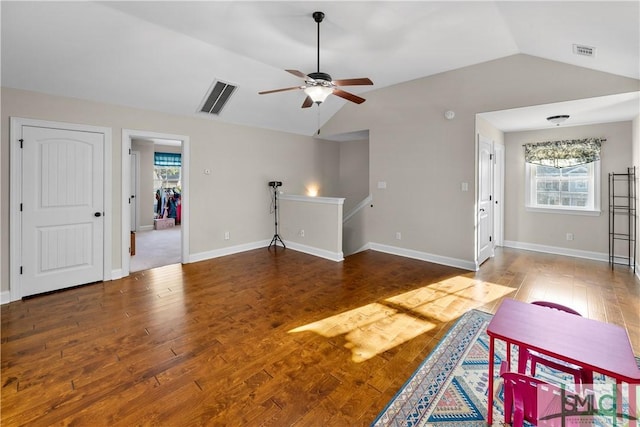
(565, 153)
(167, 159)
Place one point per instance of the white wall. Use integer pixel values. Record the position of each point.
(424, 157)
(550, 229)
(234, 197)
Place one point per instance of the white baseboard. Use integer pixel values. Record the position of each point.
(322, 253)
(363, 248)
(116, 274)
(576, 253)
(5, 297)
(202, 256)
(145, 228)
(424, 256)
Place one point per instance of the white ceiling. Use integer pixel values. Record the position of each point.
(165, 55)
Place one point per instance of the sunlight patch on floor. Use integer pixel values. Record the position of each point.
(349, 320)
(378, 337)
(377, 327)
(449, 299)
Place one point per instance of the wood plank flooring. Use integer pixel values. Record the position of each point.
(264, 338)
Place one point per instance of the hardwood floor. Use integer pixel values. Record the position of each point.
(264, 338)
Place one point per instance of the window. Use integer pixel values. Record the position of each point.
(563, 176)
(167, 171)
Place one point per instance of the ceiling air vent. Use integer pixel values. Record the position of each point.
(580, 49)
(217, 98)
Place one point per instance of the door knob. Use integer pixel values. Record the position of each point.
(97, 214)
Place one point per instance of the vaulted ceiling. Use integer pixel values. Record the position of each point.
(166, 55)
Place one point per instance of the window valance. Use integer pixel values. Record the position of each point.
(565, 153)
(167, 159)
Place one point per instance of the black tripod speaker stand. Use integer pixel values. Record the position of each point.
(276, 237)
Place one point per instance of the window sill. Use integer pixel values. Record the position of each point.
(564, 211)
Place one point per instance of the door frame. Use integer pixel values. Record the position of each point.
(15, 196)
(127, 136)
(498, 194)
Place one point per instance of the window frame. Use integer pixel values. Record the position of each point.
(531, 193)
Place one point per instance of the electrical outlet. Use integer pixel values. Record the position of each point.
(398, 235)
(569, 236)
(301, 233)
(227, 235)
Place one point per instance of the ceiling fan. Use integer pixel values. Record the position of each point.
(318, 86)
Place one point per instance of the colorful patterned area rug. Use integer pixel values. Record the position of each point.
(449, 389)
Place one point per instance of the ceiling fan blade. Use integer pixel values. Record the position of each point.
(300, 74)
(348, 96)
(279, 90)
(353, 82)
(308, 102)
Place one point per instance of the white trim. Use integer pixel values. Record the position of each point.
(15, 189)
(594, 180)
(363, 248)
(498, 194)
(127, 135)
(563, 211)
(116, 274)
(358, 208)
(5, 297)
(576, 253)
(322, 253)
(145, 228)
(230, 250)
(299, 198)
(424, 256)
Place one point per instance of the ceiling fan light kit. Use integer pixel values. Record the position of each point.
(318, 93)
(318, 85)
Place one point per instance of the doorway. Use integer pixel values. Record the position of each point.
(154, 242)
(484, 214)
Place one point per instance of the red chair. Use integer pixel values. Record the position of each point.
(531, 399)
(581, 376)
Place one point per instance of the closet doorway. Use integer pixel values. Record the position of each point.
(156, 194)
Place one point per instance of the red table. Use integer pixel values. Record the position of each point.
(601, 347)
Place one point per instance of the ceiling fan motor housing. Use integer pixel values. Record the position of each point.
(320, 78)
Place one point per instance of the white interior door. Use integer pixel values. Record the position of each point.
(485, 199)
(62, 208)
